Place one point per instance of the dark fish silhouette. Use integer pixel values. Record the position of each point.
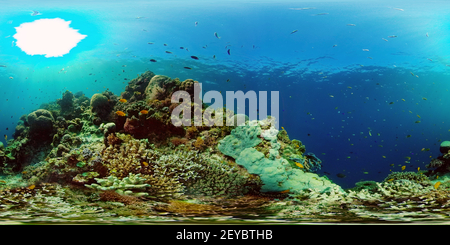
(340, 175)
(187, 68)
(194, 57)
(152, 60)
(228, 52)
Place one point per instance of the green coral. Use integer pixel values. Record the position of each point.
(277, 175)
(131, 185)
(241, 137)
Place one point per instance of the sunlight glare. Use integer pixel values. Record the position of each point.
(49, 37)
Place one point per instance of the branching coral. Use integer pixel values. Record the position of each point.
(132, 185)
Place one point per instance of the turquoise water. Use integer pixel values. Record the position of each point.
(362, 84)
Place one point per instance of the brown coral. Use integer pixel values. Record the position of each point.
(199, 144)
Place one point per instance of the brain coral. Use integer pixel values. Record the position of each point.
(40, 121)
(98, 101)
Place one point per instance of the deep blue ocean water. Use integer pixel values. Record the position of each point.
(357, 110)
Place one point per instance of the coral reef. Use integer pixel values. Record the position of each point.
(109, 157)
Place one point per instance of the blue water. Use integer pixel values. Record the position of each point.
(332, 93)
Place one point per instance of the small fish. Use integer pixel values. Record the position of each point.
(145, 164)
(409, 158)
(24, 172)
(216, 35)
(403, 168)
(417, 122)
(285, 191)
(299, 165)
(412, 74)
(391, 103)
(384, 156)
(2, 66)
(150, 43)
(186, 67)
(399, 9)
(11, 77)
(393, 36)
(31, 187)
(351, 24)
(370, 133)
(425, 149)
(340, 175)
(322, 14)
(424, 98)
(418, 169)
(144, 112)
(123, 100)
(426, 34)
(168, 52)
(121, 113)
(181, 47)
(365, 49)
(140, 17)
(196, 23)
(407, 136)
(194, 57)
(282, 128)
(335, 45)
(152, 60)
(6, 137)
(437, 185)
(390, 180)
(294, 31)
(228, 52)
(429, 59)
(385, 39)
(403, 100)
(214, 56)
(34, 13)
(165, 44)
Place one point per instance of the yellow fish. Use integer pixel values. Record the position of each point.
(418, 116)
(144, 112)
(437, 176)
(403, 168)
(31, 187)
(409, 158)
(145, 164)
(299, 165)
(437, 185)
(403, 99)
(418, 168)
(282, 128)
(424, 98)
(390, 180)
(123, 100)
(285, 191)
(384, 156)
(121, 113)
(6, 137)
(370, 133)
